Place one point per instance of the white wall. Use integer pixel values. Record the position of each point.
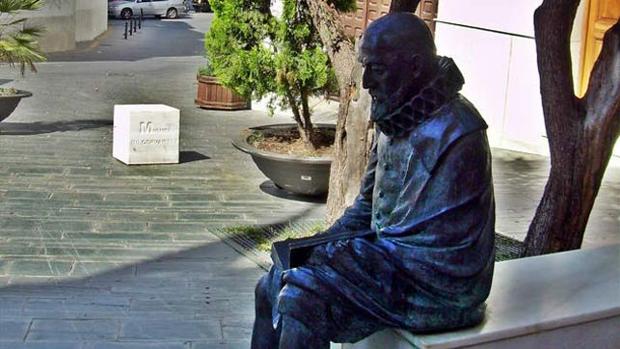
(67, 22)
(492, 42)
(57, 17)
(91, 19)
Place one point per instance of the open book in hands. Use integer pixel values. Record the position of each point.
(291, 253)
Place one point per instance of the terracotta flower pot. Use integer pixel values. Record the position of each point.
(9, 103)
(297, 174)
(212, 95)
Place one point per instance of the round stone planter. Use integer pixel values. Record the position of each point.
(296, 174)
(9, 103)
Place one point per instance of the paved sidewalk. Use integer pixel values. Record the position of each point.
(96, 254)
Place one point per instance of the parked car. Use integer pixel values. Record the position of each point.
(159, 8)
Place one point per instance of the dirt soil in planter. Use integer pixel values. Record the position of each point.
(287, 141)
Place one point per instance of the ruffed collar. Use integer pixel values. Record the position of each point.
(442, 89)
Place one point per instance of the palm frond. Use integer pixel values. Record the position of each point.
(19, 46)
(15, 22)
(33, 31)
(12, 6)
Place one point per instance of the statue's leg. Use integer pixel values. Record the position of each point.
(295, 335)
(263, 334)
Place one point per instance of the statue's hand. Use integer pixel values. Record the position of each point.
(318, 255)
(335, 242)
(322, 253)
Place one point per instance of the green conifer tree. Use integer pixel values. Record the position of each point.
(258, 54)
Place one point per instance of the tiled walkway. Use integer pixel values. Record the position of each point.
(96, 254)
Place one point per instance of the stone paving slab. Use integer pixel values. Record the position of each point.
(97, 254)
(202, 296)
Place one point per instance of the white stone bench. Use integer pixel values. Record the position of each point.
(562, 300)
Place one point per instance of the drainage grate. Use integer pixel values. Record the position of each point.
(247, 239)
(507, 248)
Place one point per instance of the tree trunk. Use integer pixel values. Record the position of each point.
(581, 132)
(354, 137)
(339, 47)
(305, 130)
(354, 130)
(308, 127)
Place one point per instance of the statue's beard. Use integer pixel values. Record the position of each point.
(379, 110)
(382, 108)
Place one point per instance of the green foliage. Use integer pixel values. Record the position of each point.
(257, 54)
(18, 43)
(12, 6)
(205, 70)
(264, 237)
(8, 91)
(256, 137)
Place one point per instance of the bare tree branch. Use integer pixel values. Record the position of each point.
(602, 99)
(553, 22)
(553, 46)
(602, 103)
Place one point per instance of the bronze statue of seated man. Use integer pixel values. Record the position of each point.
(416, 249)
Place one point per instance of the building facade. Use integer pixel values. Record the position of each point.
(68, 22)
(492, 42)
(368, 10)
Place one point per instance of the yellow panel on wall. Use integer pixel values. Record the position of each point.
(602, 15)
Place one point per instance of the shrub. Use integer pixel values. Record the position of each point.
(258, 55)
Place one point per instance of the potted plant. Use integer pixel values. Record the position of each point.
(290, 169)
(18, 46)
(260, 55)
(213, 95)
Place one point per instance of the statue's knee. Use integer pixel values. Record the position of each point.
(261, 293)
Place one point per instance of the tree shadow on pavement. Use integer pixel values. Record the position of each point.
(35, 128)
(201, 295)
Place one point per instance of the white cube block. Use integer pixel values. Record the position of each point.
(146, 134)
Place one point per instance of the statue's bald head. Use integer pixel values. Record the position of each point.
(399, 58)
(399, 32)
